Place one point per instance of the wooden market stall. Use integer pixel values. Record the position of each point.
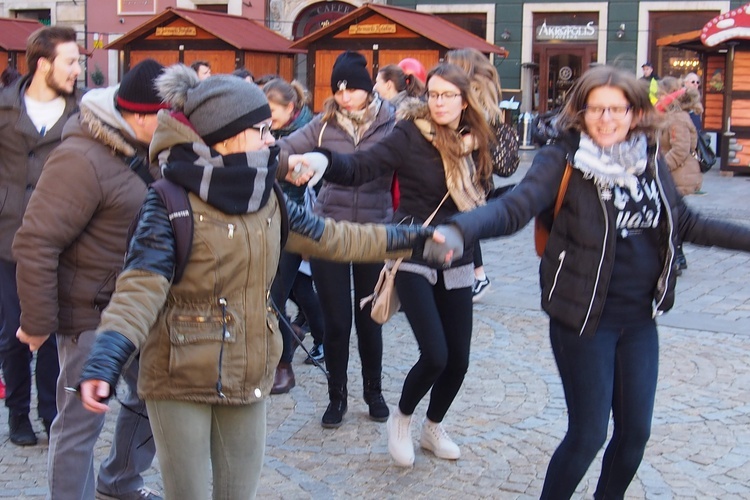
(226, 42)
(724, 48)
(384, 35)
(13, 36)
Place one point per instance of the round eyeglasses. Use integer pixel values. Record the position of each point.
(615, 112)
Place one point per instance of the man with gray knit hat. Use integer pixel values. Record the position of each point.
(69, 250)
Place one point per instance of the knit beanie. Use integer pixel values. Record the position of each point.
(137, 92)
(350, 72)
(219, 107)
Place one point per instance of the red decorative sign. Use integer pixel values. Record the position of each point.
(730, 25)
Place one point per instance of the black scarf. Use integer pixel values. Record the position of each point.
(235, 184)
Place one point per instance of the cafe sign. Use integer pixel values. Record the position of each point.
(372, 29)
(574, 33)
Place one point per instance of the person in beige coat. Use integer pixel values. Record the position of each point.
(679, 139)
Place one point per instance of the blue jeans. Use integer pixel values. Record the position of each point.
(615, 370)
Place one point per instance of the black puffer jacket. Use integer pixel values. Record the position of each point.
(577, 264)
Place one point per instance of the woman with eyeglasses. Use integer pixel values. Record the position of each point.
(679, 139)
(606, 271)
(441, 153)
(693, 81)
(209, 342)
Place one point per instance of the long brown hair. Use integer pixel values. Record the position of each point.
(484, 79)
(447, 140)
(402, 81)
(645, 117)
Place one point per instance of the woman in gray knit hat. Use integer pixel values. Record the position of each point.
(209, 340)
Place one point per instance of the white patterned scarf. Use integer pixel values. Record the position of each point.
(620, 164)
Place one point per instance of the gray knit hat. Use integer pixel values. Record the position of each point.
(218, 107)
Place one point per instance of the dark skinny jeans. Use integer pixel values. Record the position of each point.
(615, 370)
(283, 284)
(441, 320)
(334, 283)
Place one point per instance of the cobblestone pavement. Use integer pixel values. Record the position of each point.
(510, 413)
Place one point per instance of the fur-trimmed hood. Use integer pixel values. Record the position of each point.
(412, 108)
(100, 117)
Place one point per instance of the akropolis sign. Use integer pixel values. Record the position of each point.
(586, 32)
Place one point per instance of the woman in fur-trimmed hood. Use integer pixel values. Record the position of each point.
(440, 152)
(679, 137)
(209, 340)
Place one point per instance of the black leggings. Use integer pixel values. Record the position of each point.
(441, 320)
(333, 281)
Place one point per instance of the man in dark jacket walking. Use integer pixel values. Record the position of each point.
(33, 112)
(70, 250)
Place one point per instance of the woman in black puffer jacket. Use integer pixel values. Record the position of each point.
(607, 269)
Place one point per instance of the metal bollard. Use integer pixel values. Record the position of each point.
(525, 121)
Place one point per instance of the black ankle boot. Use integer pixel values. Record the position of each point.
(374, 399)
(334, 414)
(21, 432)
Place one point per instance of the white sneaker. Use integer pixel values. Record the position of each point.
(400, 445)
(435, 439)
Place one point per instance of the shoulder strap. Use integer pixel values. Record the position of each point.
(320, 136)
(180, 212)
(563, 188)
(432, 215)
(139, 166)
(397, 263)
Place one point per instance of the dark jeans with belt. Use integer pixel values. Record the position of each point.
(16, 357)
(615, 370)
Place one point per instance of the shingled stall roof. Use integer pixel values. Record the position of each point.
(240, 32)
(427, 25)
(14, 32)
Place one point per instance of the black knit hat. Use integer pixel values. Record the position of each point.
(350, 72)
(137, 92)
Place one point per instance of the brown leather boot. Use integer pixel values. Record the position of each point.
(283, 381)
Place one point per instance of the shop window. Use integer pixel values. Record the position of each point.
(136, 7)
(213, 7)
(474, 22)
(41, 15)
(671, 61)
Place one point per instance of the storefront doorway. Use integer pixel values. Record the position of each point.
(565, 45)
(559, 68)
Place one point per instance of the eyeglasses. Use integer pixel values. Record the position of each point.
(446, 96)
(264, 129)
(615, 112)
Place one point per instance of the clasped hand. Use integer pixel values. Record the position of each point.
(307, 168)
